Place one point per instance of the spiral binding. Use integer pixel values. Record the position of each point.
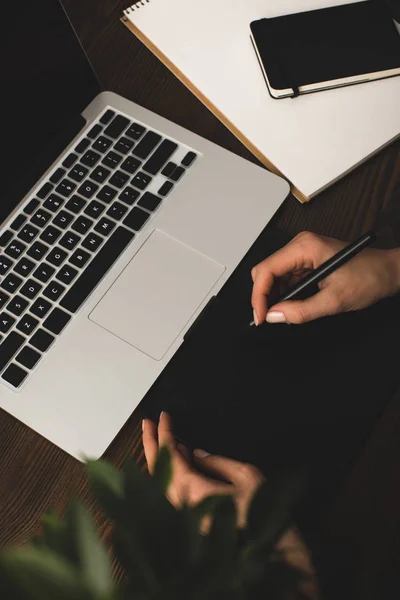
(136, 6)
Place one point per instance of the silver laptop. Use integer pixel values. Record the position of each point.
(118, 226)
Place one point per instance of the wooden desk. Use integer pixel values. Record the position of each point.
(363, 523)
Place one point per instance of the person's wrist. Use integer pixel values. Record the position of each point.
(393, 257)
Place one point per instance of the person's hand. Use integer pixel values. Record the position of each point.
(365, 279)
(241, 481)
(189, 485)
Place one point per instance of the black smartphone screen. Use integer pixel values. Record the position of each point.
(349, 40)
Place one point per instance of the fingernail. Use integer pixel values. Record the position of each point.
(200, 453)
(143, 422)
(275, 317)
(255, 317)
(161, 414)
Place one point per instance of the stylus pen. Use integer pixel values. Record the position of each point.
(328, 267)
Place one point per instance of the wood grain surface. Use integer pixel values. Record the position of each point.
(363, 523)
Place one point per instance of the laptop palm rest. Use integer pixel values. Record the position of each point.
(156, 294)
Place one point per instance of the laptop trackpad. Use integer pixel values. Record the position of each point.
(156, 294)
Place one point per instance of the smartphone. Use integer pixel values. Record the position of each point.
(327, 48)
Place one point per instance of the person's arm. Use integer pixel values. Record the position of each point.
(368, 277)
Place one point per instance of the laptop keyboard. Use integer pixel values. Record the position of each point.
(65, 238)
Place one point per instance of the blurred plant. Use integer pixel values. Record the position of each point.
(162, 551)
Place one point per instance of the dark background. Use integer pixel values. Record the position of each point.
(358, 526)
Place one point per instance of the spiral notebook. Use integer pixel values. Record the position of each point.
(313, 140)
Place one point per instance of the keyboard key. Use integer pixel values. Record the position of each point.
(14, 375)
(107, 194)
(131, 164)
(50, 235)
(160, 157)
(117, 211)
(104, 226)
(28, 357)
(57, 175)
(124, 145)
(92, 242)
(88, 189)
(5, 238)
(31, 206)
(90, 158)
(106, 118)
(63, 219)
(102, 144)
(44, 272)
(168, 169)
(135, 131)
(78, 173)
(41, 340)
(188, 159)
(40, 307)
(94, 132)
(41, 218)
(27, 324)
(18, 222)
(6, 322)
(31, 289)
(70, 240)
(66, 187)
(83, 144)
(9, 346)
(37, 250)
(95, 209)
(56, 321)
(17, 305)
(112, 159)
(5, 264)
(44, 191)
(53, 203)
(117, 126)
(75, 204)
(3, 298)
(70, 160)
(28, 233)
(57, 256)
(100, 174)
(54, 290)
(165, 188)
(24, 266)
(136, 218)
(11, 283)
(141, 180)
(82, 225)
(96, 270)
(119, 179)
(177, 174)
(147, 144)
(15, 249)
(129, 195)
(67, 274)
(79, 258)
(149, 201)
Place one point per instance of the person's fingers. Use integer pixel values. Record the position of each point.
(322, 304)
(227, 469)
(166, 438)
(150, 443)
(288, 259)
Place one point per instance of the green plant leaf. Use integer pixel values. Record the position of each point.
(107, 484)
(94, 563)
(163, 469)
(271, 509)
(43, 575)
